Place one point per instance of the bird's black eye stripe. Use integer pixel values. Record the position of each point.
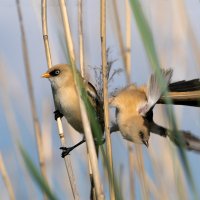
(55, 72)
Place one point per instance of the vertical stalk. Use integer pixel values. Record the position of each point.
(59, 123)
(36, 124)
(120, 39)
(86, 124)
(128, 40)
(126, 57)
(6, 179)
(128, 74)
(141, 172)
(127, 62)
(80, 31)
(105, 96)
(131, 170)
(82, 69)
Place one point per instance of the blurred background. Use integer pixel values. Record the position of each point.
(176, 33)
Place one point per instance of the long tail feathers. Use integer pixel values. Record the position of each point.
(184, 93)
(185, 86)
(190, 141)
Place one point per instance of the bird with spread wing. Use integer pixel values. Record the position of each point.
(134, 105)
(134, 108)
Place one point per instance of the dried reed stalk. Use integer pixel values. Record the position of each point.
(126, 55)
(131, 170)
(82, 69)
(128, 40)
(80, 31)
(160, 182)
(127, 62)
(141, 172)
(12, 124)
(105, 97)
(35, 119)
(187, 26)
(86, 124)
(120, 37)
(6, 179)
(59, 123)
(152, 187)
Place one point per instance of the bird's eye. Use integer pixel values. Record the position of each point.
(57, 72)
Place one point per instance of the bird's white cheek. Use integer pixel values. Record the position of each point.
(52, 83)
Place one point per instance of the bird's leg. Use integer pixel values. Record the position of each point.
(67, 150)
(57, 114)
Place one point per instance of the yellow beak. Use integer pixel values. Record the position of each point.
(45, 75)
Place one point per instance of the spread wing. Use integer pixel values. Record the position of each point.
(155, 90)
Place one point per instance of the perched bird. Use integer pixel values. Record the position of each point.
(134, 107)
(67, 101)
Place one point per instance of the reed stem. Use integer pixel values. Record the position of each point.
(6, 179)
(105, 96)
(86, 124)
(35, 119)
(67, 159)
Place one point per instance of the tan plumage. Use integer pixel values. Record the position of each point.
(134, 109)
(66, 96)
(133, 104)
(131, 123)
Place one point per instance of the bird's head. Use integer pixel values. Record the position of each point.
(139, 138)
(134, 129)
(59, 75)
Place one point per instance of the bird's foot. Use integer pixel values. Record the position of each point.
(65, 151)
(57, 114)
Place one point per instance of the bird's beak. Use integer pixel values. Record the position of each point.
(146, 143)
(46, 75)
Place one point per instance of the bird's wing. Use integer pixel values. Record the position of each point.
(155, 90)
(96, 103)
(91, 91)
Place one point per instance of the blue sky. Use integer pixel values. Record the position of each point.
(175, 49)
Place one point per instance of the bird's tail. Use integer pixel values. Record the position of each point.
(184, 93)
(190, 141)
